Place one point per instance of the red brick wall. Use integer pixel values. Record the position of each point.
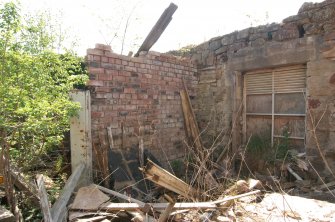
(135, 95)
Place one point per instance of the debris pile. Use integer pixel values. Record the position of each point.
(243, 201)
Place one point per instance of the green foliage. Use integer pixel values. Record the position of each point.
(184, 51)
(283, 145)
(259, 146)
(35, 82)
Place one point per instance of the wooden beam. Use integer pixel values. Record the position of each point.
(120, 195)
(158, 29)
(6, 215)
(110, 207)
(26, 186)
(43, 199)
(158, 175)
(235, 197)
(59, 210)
(324, 186)
(191, 125)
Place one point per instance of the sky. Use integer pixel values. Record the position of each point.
(127, 22)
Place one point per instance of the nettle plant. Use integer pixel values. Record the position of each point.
(34, 86)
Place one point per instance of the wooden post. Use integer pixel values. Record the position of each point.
(43, 199)
(80, 133)
(237, 111)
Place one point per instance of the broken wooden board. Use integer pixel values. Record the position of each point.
(191, 125)
(59, 210)
(6, 215)
(92, 219)
(158, 29)
(43, 199)
(23, 185)
(120, 195)
(158, 175)
(324, 186)
(112, 207)
(226, 199)
(89, 198)
(75, 215)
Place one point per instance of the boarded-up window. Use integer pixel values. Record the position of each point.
(275, 104)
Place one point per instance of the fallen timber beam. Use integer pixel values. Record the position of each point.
(288, 167)
(191, 125)
(59, 210)
(158, 29)
(324, 186)
(120, 195)
(158, 175)
(23, 185)
(109, 207)
(235, 197)
(43, 199)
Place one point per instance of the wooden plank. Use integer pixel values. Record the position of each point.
(26, 186)
(236, 115)
(192, 129)
(184, 106)
(158, 29)
(158, 175)
(6, 215)
(119, 195)
(324, 186)
(235, 197)
(73, 215)
(91, 219)
(43, 199)
(59, 210)
(293, 173)
(110, 137)
(89, 198)
(111, 207)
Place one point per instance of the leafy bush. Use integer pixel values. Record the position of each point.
(34, 85)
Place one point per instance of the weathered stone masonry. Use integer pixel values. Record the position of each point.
(299, 39)
(138, 96)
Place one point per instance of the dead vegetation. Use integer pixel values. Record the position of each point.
(212, 192)
(257, 188)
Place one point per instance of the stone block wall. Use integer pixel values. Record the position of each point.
(304, 38)
(138, 97)
(311, 20)
(212, 107)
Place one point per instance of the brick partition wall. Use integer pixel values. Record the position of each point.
(139, 96)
